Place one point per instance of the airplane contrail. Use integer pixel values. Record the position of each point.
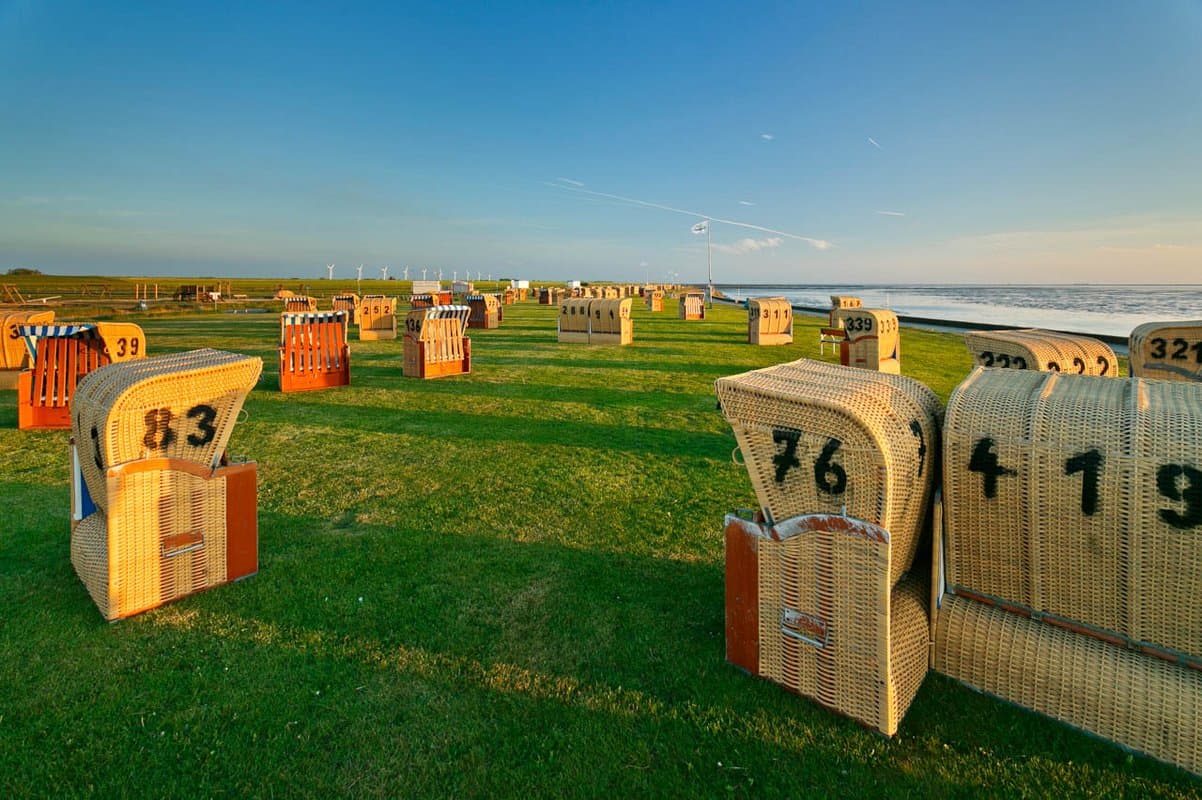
(892, 213)
(819, 244)
(872, 142)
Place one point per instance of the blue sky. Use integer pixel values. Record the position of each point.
(1010, 142)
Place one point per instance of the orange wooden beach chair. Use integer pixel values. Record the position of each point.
(60, 355)
(300, 303)
(692, 306)
(434, 344)
(314, 353)
(487, 311)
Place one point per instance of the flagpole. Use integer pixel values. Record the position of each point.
(709, 270)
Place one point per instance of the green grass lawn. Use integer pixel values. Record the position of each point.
(509, 583)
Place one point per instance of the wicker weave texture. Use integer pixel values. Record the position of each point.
(1167, 350)
(873, 338)
(178, 406)
(769, 321)
(1146, 704)
(841, 302)
(13, 352)
(574, 317)
(610, 315)
(1079, 497)
(823, 438)
(162, 538)
(833, 629)
(1045, 351)
(377, 318)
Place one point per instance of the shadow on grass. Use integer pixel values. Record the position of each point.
(410, 661)
(698, 368)
(527, 430)
(651, 402)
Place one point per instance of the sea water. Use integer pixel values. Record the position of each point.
(1081, 308)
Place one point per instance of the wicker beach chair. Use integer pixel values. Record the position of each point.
(573, 325)
(1167, 350)
(377, 318)
(1069, 561)
(654, 298)
(156, 513)
(1044, 351)
(610, 322)
(14, 354)
(871, 338)
(818, 595)
(769, 321)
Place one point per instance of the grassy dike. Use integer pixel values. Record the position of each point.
(508, 583)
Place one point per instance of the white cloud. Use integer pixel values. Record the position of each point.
(746, 203)
(749, 245)
(891, 213)
(767, 137)
(873, 142)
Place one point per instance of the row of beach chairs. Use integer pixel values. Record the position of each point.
(1064, 515)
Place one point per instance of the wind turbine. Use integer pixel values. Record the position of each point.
(329, 272)
(440, 273)
(383, 273)
(455, 275)
(405, 271)
(359, 281)
(423, 273)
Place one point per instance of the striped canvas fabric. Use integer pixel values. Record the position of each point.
(303, 317)
(32, 333)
